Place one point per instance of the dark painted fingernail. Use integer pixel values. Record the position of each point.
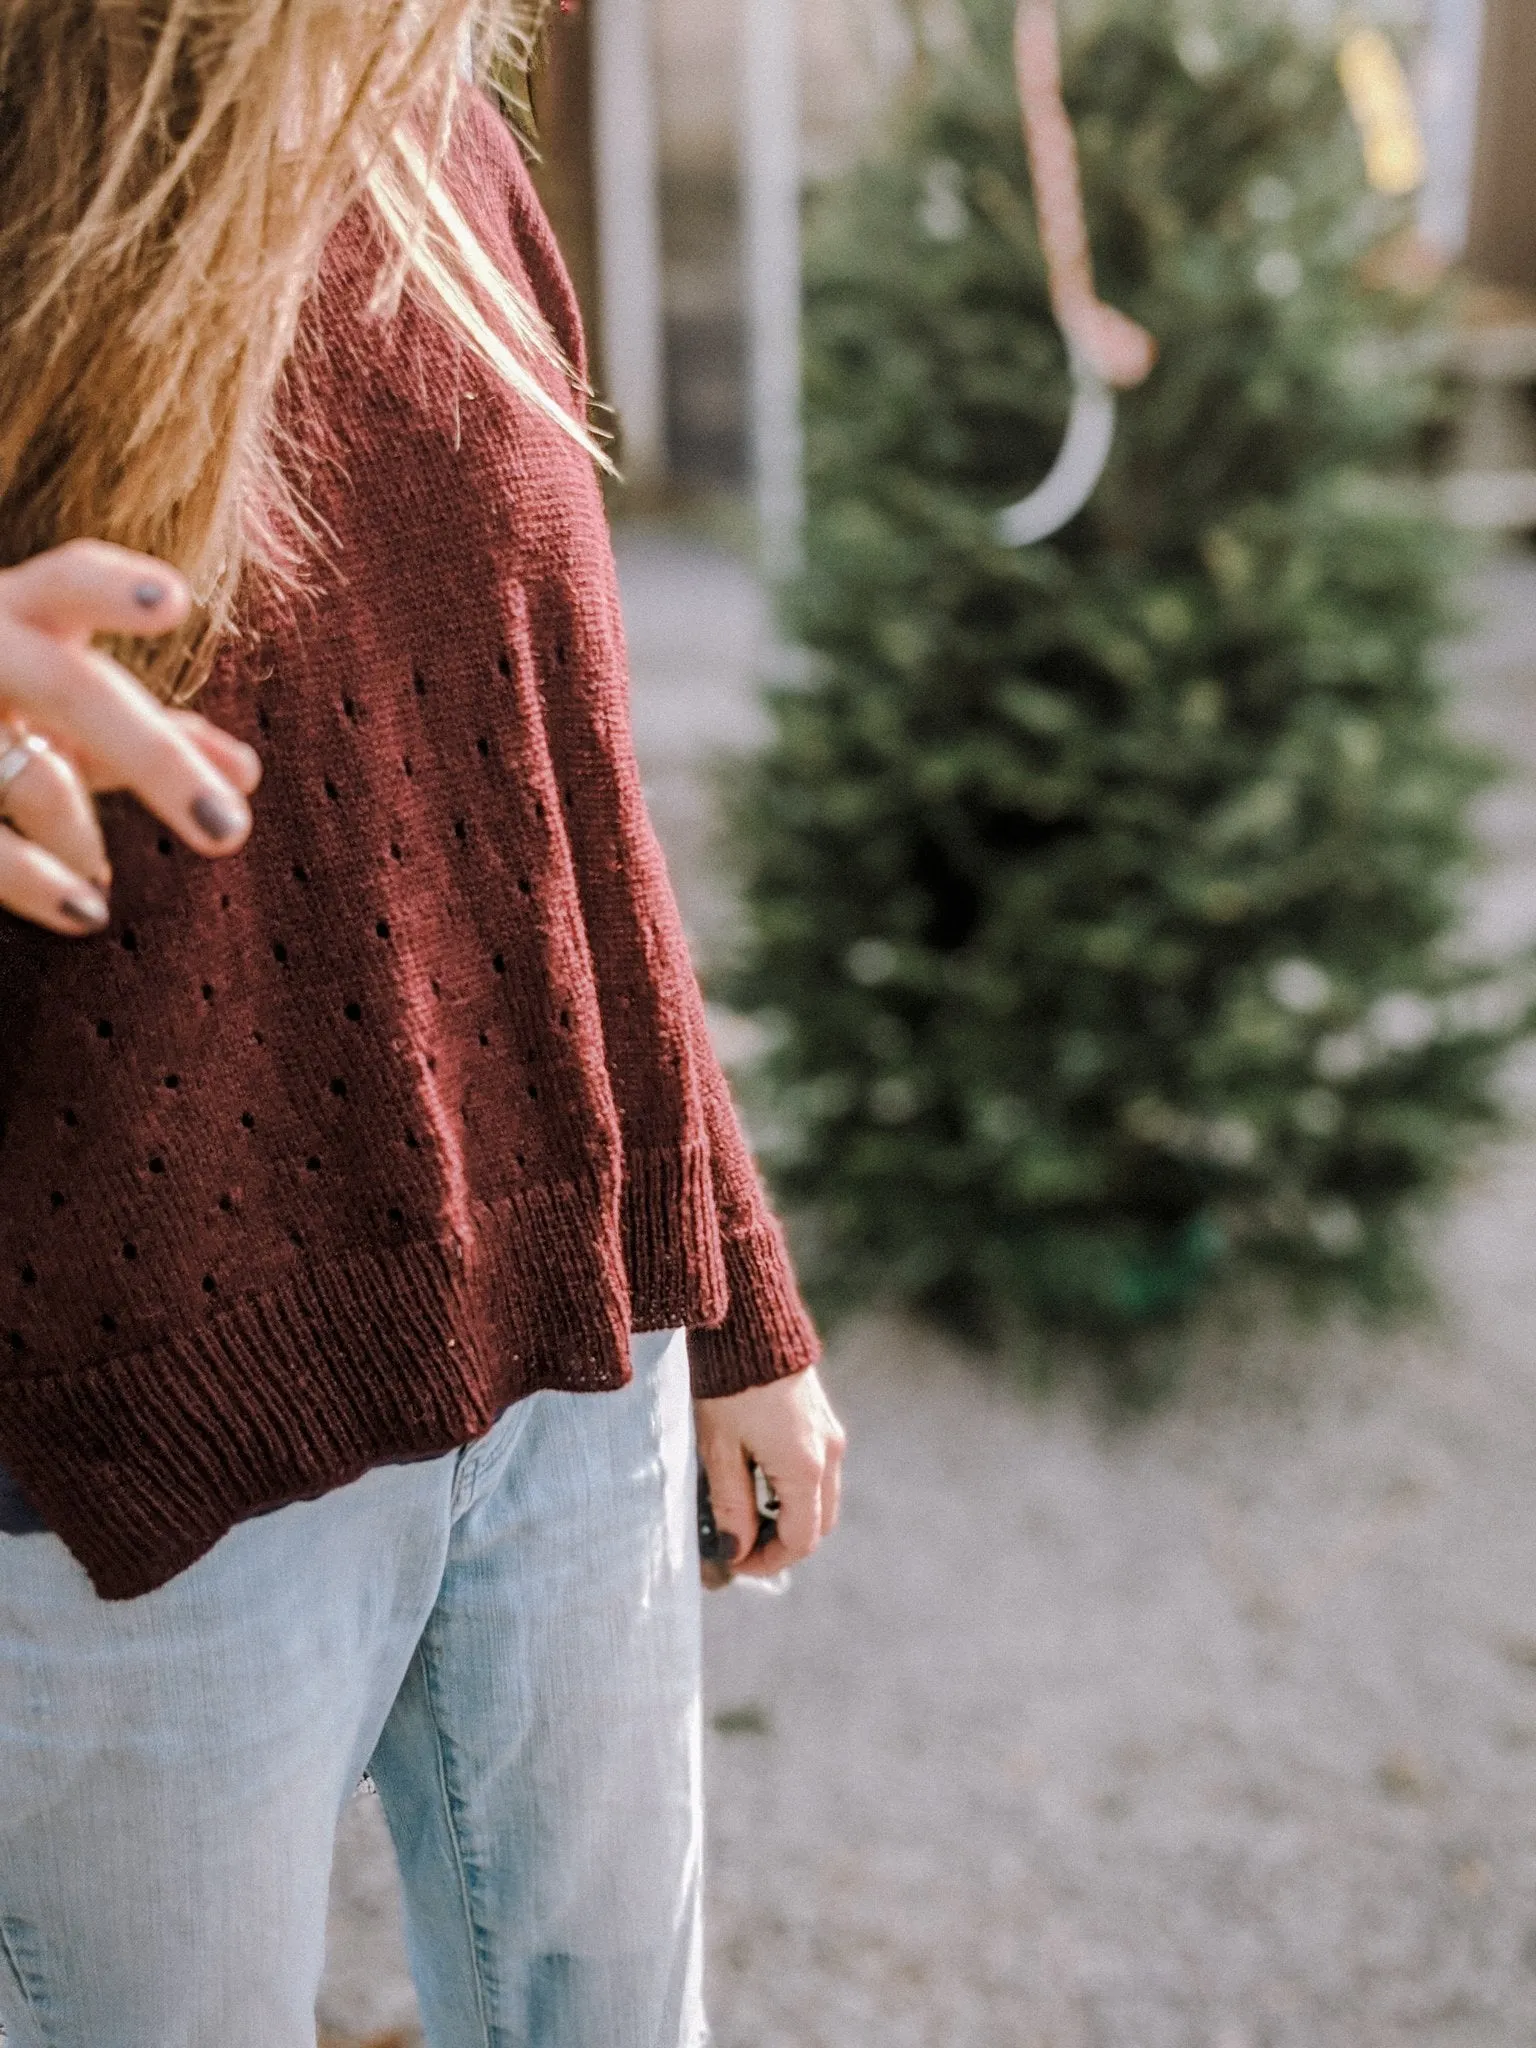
(88, 910)
(727, 1547)
(149, 595)
(218, 817)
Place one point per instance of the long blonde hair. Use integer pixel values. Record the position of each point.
(170, 171)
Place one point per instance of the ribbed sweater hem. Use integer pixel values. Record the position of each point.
(768, 1335)
(672, 1246)
(141, 1462)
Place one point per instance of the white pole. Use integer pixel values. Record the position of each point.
(770, 154)
(1449, 81)
(629, 231)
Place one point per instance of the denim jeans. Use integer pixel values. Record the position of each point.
(508, 1639)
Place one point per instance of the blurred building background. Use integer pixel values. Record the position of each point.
(670, 192)
(647, 163)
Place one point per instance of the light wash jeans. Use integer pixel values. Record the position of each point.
(508, 1638)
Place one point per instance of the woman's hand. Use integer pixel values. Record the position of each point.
(789, 1432)
(74, 722)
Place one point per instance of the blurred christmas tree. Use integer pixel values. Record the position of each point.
(1099, 893)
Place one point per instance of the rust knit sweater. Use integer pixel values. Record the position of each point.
(326, 1154)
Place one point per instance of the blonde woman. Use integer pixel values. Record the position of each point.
(357, 1190)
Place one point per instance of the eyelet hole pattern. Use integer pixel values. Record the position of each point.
(311, 876)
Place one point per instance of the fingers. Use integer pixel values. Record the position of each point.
(233, 759)
(805, 1469)
(36, 886)
(51, 608)
(832, 1484)
(48, 804)
(790, 1433)
(733, 1497)
(89, 587)
(99, 712)
(229, 757)
(799, 1530)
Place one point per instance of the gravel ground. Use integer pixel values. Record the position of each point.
(1216, 1731)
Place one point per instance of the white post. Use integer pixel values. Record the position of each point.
(771, 188)
(1449, 81)
(629, 231)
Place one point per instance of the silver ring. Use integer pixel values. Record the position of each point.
(16, 760)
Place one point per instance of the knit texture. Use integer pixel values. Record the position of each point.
(326, 1154)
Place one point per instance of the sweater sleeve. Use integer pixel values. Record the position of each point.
(767, 1333)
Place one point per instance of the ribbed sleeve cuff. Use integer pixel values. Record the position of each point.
(767, 1333)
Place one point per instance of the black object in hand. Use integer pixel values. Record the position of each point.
(717, 1546)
